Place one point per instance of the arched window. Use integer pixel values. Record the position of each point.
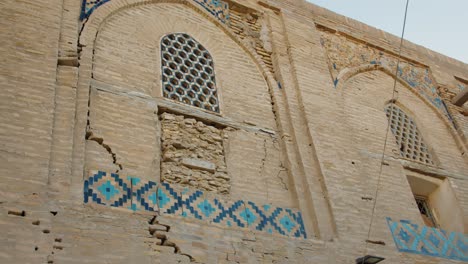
(408, 137)
(188, 72)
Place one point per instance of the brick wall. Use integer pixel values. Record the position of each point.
(86, 95)
(28, 76)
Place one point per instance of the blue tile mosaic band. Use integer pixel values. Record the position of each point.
(274, 220)
(135, 194)
(217, 8)
(428, 241)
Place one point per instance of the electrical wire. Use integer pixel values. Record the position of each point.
(388, 124)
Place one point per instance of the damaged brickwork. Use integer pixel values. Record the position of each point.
(345, 53)
(83, 176)
(160, 241)
(252, 27)
(193, 154)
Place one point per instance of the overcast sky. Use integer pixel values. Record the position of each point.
(438, 25)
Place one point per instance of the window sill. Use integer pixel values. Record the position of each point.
(430, 170)
(165, 105)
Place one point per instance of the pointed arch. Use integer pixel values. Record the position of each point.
(348, 73)
(99, 16)
(87, 38)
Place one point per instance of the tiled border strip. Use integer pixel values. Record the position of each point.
(428, 241)
(138, 195)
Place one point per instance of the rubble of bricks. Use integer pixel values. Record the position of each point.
(193, 154)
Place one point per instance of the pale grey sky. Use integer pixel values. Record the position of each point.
(438, 25)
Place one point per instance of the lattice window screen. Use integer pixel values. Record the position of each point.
(188, 72)
(407, 135)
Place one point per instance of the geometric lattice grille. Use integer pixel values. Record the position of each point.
(188, 72)
(407, 135)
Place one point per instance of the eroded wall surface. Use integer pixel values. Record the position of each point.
(100, 166)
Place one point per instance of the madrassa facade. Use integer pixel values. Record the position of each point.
(210, 131)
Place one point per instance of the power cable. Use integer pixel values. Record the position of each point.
(388, 124)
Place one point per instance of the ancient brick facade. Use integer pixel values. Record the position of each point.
(209, 131)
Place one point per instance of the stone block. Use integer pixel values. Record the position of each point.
(199, 164)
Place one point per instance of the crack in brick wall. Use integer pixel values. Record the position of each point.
(90, 136)
(160, 234)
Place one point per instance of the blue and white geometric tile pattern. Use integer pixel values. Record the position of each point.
(217, 8)
(108, 189)
(274, 219)
(138, 195)
(144, 195)
(428, 241)
(229, 213)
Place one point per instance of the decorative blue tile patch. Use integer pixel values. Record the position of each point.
(247, 215)
(206, 208)
(144, 195)
(428, 241)
(217, 8)
(344, 54)
(140, 195)
(108, 189)
(88, 6)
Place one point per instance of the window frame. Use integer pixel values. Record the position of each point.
(429, 215)
(412, 117)
(177, 103)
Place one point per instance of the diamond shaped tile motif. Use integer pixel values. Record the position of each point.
(287, 223)
(227, 213)
(217, 8)
(424, 240)
(271, 219)
(194, 204)
(161, 198)
(247, 215)
(206, 208)
(135, 194)
(107, 189)
(144, 195)
(169, 199)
